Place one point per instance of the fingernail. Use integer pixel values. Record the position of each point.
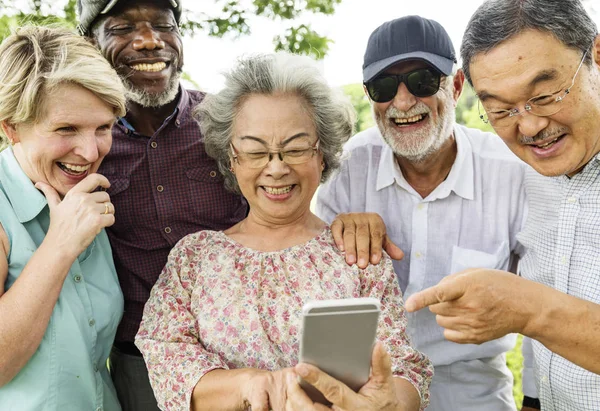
(302, 370)
(362, 262)
(350, 259)
(375, 258)
(341, 247)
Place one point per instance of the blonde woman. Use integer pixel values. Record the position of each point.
(60, 301)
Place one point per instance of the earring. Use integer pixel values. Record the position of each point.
(231, 169)
(322, 165)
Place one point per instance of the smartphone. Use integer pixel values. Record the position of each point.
(338, 337)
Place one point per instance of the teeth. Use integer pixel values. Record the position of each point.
(412, 119)
(549, 144)
(74, 168)
(277, 191)
(150, 67)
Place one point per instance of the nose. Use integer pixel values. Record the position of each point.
(530, 125)
(147, 39)
(404, 99)
(276, 167)
(87, 148)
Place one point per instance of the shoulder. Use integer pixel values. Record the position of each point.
(195, 96)
(370, 137)
(488, 145)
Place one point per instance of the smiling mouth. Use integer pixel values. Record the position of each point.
(549, 144)
(278, 191)
(409, 120)
(149, 68)
(73, 169)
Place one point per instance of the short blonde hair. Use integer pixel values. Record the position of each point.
(36, 60)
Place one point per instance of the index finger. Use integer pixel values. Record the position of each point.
(90, 183)
(449, 290)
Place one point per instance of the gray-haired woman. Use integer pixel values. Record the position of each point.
(60, 301)
(221, 328)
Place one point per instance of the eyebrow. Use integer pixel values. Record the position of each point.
(544, 75)
(283, 143)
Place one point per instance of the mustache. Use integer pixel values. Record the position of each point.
(152, 54)
(543, 135)
(419, 108)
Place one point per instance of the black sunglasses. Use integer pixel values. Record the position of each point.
(423, 82)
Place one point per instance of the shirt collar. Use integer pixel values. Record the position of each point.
(459, 180)
(26, 200)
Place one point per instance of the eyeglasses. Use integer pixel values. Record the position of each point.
(259, 159)
(543, 105)
(423, 82)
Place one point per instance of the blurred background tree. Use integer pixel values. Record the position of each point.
(231, 19)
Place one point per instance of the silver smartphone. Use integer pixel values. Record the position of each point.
(338, 337)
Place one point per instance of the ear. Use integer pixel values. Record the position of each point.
(10, 131)
(459, 83)
(596, 50)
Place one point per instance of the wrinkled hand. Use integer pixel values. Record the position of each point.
(362, 236)
(378, 394)
(79, 217)
(478, 305)
(267, 390)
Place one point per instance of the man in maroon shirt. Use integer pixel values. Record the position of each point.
(163, 184)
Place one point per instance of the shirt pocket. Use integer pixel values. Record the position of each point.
(205, 175)
(464, 258)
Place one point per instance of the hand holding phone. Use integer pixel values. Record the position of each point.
(338, 337)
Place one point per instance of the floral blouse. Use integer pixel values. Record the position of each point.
(218, 304)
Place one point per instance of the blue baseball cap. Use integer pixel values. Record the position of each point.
(408, 38)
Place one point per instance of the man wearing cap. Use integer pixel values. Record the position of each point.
(451, 197)
(163, 184)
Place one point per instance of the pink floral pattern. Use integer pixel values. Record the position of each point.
(218, 304)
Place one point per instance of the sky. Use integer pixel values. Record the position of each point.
(349, 28)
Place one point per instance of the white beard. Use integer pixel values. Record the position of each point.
(153, 100)
(417, 146)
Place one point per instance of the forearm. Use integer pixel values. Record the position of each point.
(567, 326)
(221, 390)
(407, 395)
(26, 308)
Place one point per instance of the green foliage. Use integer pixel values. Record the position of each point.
(362, 106)
(467, 110)
(232, 19)
(514, 360)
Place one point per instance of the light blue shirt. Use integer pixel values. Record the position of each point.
(68, 371)
(470, 220)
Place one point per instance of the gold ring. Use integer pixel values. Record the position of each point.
(106, 208)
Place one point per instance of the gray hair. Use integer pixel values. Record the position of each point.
(271, 74)
(37, 60)
(496, 21)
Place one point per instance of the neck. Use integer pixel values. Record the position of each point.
(267, 235)
(424, 176)
(147, 120)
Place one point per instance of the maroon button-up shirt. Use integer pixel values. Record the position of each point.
(163, 187)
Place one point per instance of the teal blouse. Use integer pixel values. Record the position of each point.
(68, 371)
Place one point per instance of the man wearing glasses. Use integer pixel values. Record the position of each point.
(535, 65)
(452, 197)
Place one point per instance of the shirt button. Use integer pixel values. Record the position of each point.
(77, 278)
(154, 144)
(168, 230)
(572, 200)
(418, 254)
(92, 322)
(544, 379)
(177, 123)
(420, 206)
(563, 260)
(213, 174)
(160, 189)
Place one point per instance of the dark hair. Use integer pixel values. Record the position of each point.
(496, 21)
